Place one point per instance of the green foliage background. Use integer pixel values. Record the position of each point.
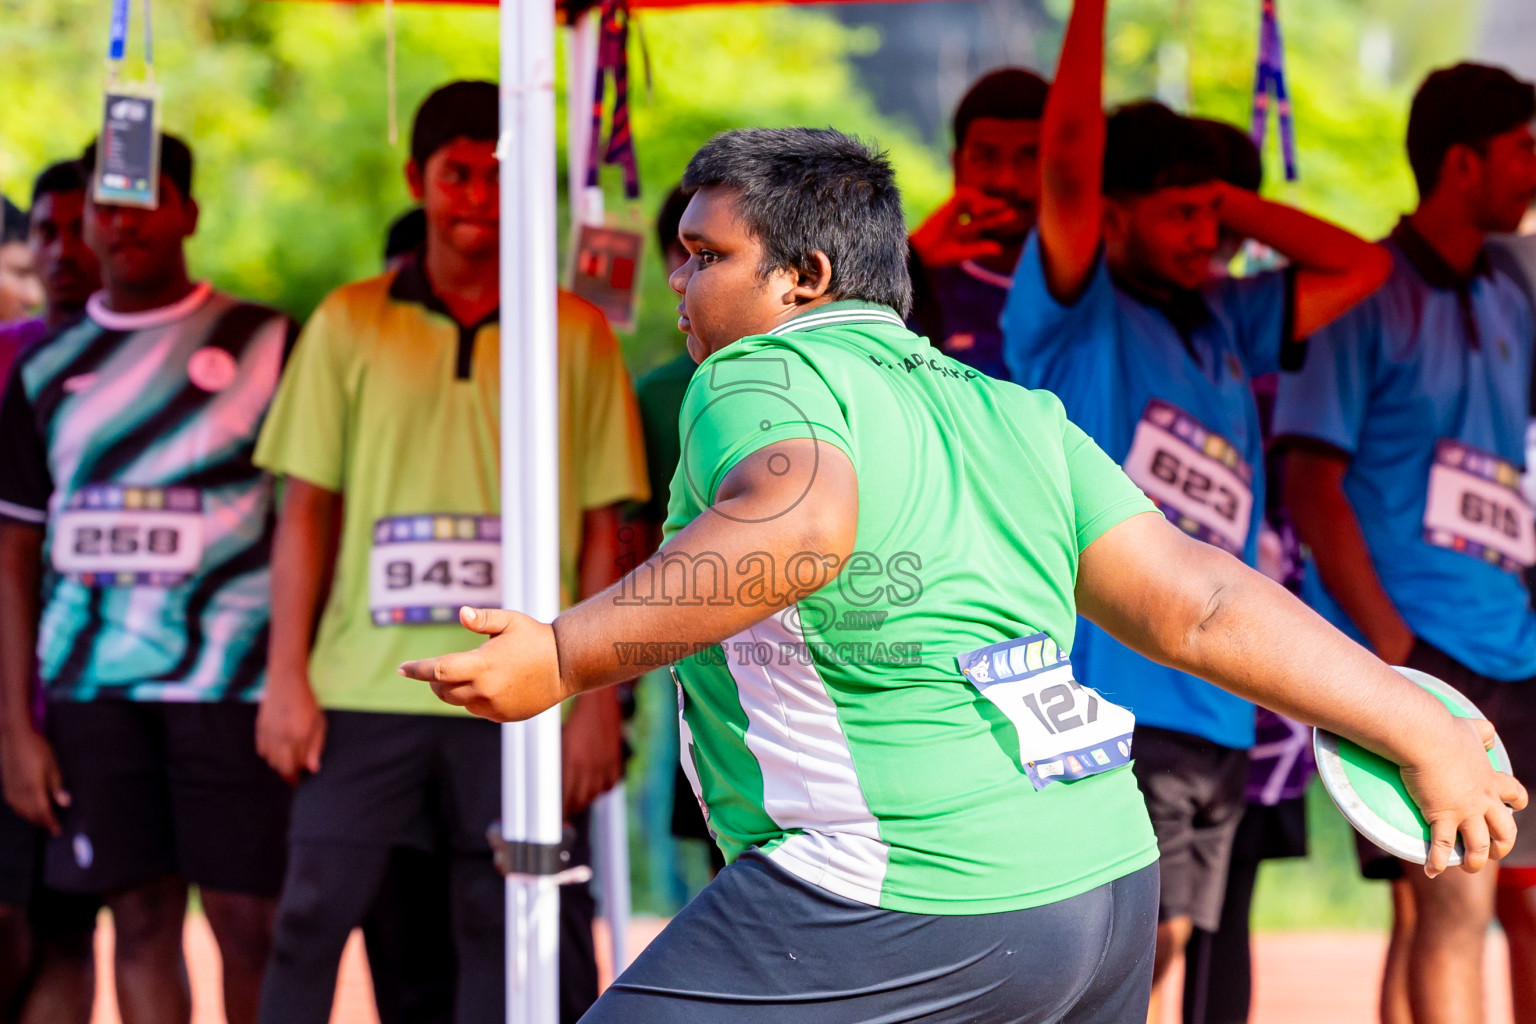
(285, 106)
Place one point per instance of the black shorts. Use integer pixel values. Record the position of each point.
(1511, 707)
(53, 914)
(160, 788)
(402, 780)
(1195, 793)
(20, 842)
(761, 946)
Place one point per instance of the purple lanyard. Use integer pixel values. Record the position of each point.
(613, 56)
(1269, 87)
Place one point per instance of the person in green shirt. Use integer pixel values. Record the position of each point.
(386, 430)
(870, 586)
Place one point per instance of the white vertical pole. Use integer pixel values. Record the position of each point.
(610, 825)
(530, 769)
(580, 79)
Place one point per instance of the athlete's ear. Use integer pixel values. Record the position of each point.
(190, 212)
(812, 280)
(416, 180)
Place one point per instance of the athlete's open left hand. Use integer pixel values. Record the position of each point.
(1458, 791)
(511, 677)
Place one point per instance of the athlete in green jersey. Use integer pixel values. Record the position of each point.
(874, 563)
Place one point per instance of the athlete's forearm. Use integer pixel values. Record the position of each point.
(1196, 608)
(21, 552)
(768, 540)
(1326, 523)
(303, 558)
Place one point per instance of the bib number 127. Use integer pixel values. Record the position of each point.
(1066, 730)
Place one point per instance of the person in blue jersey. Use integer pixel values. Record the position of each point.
(1115, 309)
(135, 534)
(962, 257)
(1405, 438)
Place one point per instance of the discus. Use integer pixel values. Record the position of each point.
(1369, 790)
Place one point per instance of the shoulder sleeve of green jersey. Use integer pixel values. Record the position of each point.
(1103, 497)
(757, 392)
(305, 432)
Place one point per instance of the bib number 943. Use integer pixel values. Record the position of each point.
(424, 568)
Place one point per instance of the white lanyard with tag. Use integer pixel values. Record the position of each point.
(1066, 730)
(424, 568)
(1474, 506)
(111, 535)
(1193, 475)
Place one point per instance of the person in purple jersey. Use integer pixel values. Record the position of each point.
(19, 289)
(47, 967)
(962, 257)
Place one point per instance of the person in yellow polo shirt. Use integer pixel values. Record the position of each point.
(386, 429)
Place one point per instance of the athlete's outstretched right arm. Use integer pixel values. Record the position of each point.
(1189, 605)
(1072, 156)
(792, 506)
(33, 785)
(290, 727)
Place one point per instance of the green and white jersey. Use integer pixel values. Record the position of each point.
(839, 736)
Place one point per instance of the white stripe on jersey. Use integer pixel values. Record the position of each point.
(22, 513)
(809, 781)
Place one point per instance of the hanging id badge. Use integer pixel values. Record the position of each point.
(1066, 730)
(127, 171)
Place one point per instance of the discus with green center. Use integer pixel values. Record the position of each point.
(1369, 790)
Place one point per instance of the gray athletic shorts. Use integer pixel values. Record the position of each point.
(760, 945)
(1195, 797)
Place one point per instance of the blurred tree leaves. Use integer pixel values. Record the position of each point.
(284, 104)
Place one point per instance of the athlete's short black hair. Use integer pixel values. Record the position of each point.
(175, 162)
(1008, 94)
(800, 190)
(407, 233)
(64, 176)
(1149, 147)
(1240, 163)
(458, 110)
(1464, 105)
(668, 218)
(13, 222)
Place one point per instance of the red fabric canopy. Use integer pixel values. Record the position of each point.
(632, 3)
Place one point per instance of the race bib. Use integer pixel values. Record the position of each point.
(1194, 476)
(115, 536)
(1066, 730)
(1475, 506)
(424, 568)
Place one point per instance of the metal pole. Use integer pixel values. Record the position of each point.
(530, 769)
(610, 825)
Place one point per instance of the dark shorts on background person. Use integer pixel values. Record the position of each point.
(53, 915)
(403, 780)
(1511, 707)
(20, 842)
(1195, 794)
(161, 788)
(431, 783)
(761, 945)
